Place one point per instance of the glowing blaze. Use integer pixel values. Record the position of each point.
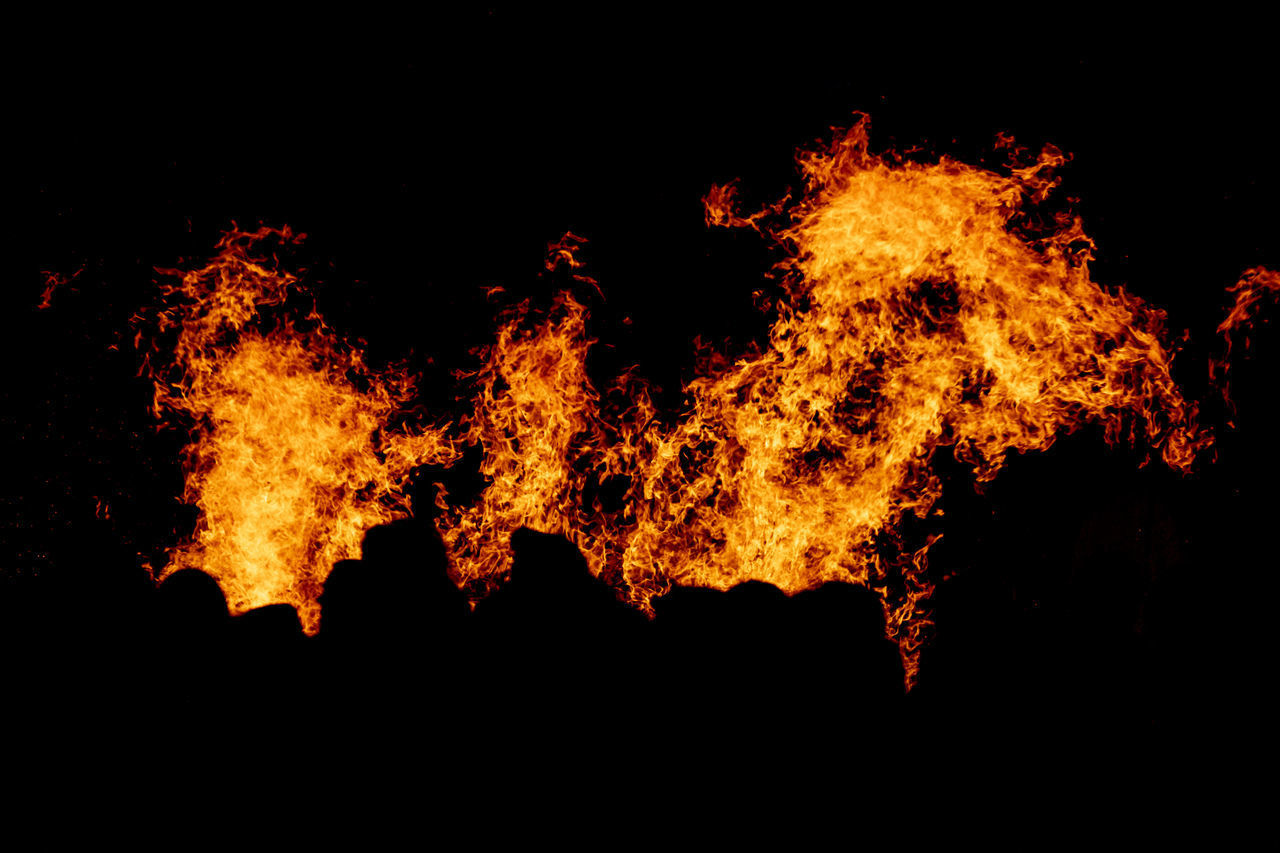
(294, 453)
(925, 309)
(547, 438)
(1252, 291)
(54, 281)
(927, 306)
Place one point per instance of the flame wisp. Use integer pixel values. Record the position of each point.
(926, 308)
(294, 454)
(1256, 287)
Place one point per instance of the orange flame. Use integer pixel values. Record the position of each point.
(925, 310)
(928, 305)
(294, 453)
(53, 281)
(1255, 287)
(547, 436)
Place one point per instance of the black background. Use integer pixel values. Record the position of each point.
(428, 157)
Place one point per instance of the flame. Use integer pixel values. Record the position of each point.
(926, 309)
(1254, 288)
(928, 306)
(53, 281)
(548, 437)
(295, 451)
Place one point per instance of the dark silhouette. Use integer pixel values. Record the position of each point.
(555, 645)
(752, 665)
(394, 628)
(398, 594)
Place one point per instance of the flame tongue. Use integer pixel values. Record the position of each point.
(537, 417)
(927, 306)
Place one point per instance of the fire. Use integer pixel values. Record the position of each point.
(926, 309)
(928, 306)
(295, 451)
(1255, 287)
(548, 438)
(535, 417)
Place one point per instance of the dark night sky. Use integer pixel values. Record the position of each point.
(428, 157)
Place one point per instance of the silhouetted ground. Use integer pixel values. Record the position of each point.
(553, 662)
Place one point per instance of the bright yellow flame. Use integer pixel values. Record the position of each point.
(294, 455)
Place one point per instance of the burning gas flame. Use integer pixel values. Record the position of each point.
(295, 451)
(928, 305)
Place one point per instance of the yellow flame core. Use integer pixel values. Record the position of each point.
(294, 457)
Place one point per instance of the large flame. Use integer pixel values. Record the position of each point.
(1255, 288)
(295, 450)
(549, 441)
(926, 309)
(927, 305)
